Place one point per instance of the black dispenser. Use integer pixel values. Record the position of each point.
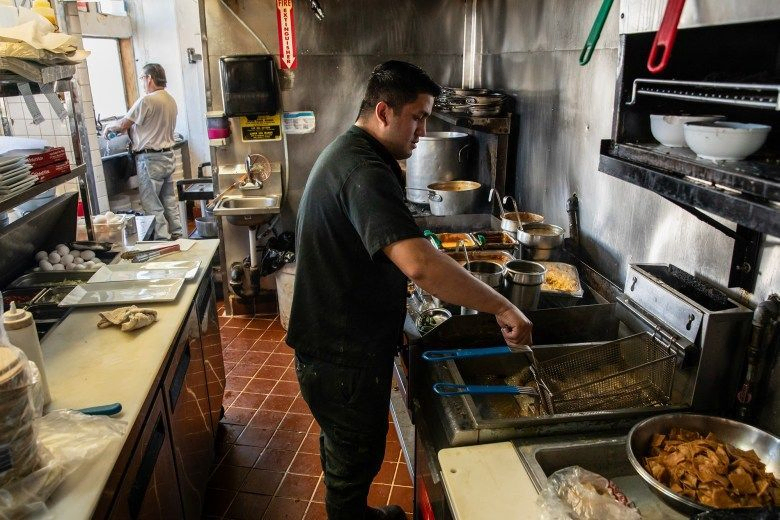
(250, 85)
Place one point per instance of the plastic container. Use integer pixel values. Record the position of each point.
(104, 231)
(285, 283)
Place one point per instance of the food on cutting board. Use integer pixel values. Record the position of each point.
(709, 471)
(62, 258)
(556, 279)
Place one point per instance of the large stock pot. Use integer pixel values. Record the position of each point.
(439, 157)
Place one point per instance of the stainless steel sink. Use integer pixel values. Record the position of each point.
(605, 456)
(242, 209)
(244, 205)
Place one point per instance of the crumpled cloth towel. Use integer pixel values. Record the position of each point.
(127, 318)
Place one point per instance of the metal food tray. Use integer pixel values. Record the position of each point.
(444, 241)
(496, 239)
(499, 255)
(562, 298)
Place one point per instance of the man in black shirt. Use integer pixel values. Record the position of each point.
(356, 246)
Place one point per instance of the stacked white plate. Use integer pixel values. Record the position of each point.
(14, 175)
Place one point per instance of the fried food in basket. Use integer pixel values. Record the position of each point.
(711, 472)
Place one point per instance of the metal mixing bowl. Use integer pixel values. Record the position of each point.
(740, 435)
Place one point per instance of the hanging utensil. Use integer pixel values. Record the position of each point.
(462, 244)
(450, 389)
(595, 32)
(501, 210)
(661, 50)
(517, 211)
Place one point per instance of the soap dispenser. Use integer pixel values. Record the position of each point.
(22, 334)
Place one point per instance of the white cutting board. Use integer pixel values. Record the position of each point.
(487, 482)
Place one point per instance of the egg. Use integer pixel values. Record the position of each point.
(45, 265)
(78, 260)
(79, 266)
(54, 257)
(66, 259)
(87, 255)
(76, 253)
(41, 255)
(62, 249)
(89, 264)
(58, 267)
(70, 267)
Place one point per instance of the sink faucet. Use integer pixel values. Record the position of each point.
(255, 166)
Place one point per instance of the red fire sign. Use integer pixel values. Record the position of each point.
(288, 49)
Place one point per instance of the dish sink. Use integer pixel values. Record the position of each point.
(605, 456)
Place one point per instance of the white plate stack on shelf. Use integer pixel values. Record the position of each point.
(14, 175)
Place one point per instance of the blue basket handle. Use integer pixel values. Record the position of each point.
(452, 389)
(460, 353)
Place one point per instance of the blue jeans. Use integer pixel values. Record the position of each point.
(351, 406)
(158, 196)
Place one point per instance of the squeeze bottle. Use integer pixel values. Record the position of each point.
(23, 335)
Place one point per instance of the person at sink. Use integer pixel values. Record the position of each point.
(150, 123)
(357, 243)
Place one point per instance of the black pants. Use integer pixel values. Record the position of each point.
(351, 406)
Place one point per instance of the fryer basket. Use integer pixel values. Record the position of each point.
(632, 372)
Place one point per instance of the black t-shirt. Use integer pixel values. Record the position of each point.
(348, 303)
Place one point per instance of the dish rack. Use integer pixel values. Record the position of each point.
(632, 372)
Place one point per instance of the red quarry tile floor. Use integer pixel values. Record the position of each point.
(267, 464)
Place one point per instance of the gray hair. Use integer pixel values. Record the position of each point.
(156, 72)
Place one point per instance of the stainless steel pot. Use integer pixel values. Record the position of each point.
(453, 197)
(538, 241)
(523, 283)
(206, 227)
(490, 272)
(440, 156)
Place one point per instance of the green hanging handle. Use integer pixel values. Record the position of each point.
(433, 237)
(481, 239)
(595, 32)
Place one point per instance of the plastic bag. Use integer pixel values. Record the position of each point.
(576, 493)
(66, 439)
(279, 251)
(37, 453)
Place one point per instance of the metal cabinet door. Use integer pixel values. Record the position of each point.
(187, 402)
(212, 349)
(149, 489)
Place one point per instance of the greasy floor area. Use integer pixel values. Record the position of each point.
(267, 464)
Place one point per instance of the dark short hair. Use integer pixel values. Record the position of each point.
(157, 73)
(396, 83)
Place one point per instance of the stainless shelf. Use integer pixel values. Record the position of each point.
(749, 95)
(37, 189)
(22, 71)
(492, 124)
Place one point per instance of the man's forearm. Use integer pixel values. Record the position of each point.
(443, 277)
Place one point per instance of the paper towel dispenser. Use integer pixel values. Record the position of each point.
(250, 85)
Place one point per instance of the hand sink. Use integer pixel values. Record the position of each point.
(247, 210)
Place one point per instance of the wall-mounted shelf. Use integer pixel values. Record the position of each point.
(749, 95)
(499, 125)
(752, 212)
(37, 189)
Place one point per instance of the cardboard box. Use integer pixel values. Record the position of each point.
(51, 171)
(50, 155)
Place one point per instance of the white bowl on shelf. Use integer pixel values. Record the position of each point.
(668, 129)
(725, 140)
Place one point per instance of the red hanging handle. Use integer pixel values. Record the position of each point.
(664, 38)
